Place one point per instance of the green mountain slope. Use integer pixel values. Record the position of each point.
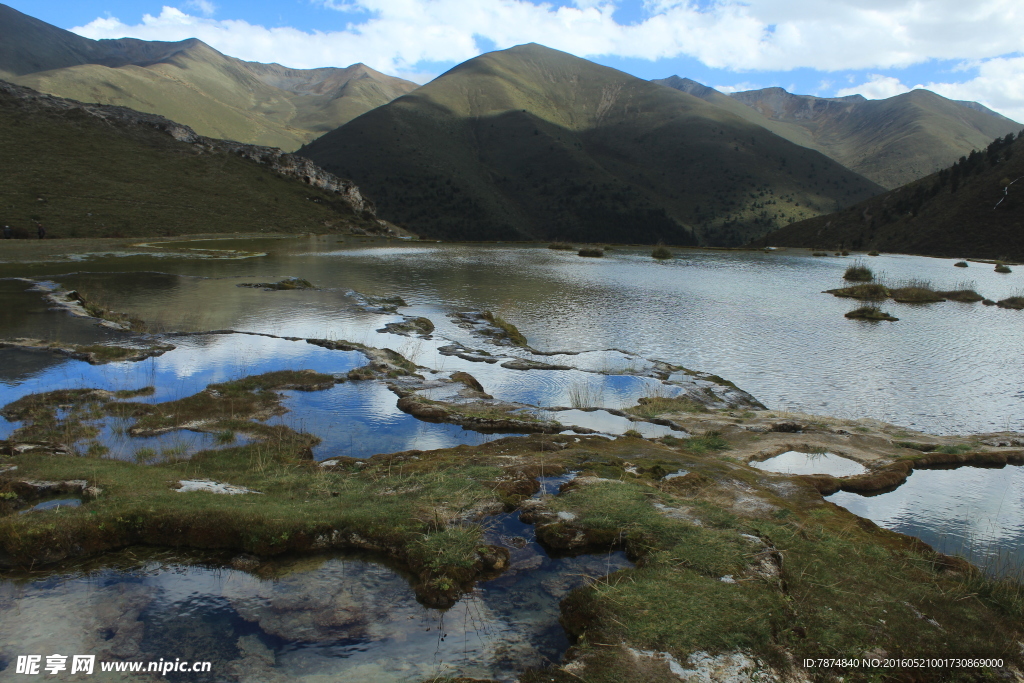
(102, 171)
(974, 208)
(534, 143)
(891, 141)
(190, 82)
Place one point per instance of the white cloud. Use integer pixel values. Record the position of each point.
(752, 35)
(204, 7)
(999, 85)
(737, 87)
(877, 87)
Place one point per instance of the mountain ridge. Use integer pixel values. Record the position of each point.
(192, 83)
(533, 143)
(972, 209)
(891, 141)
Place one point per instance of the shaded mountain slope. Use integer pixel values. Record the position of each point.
(891, 141)
(190, 82)
(534, 143)
(103, 171)
(974, 209)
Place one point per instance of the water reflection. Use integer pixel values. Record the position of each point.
(970, 511)
(311, 619)
(795, 462)
(757, 319)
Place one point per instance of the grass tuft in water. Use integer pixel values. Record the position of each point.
(583, 394)
(858, 272)
(870, 313)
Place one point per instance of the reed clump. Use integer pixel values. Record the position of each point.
(661, 252)
(915, 291)
(858, 272)
(593, 252)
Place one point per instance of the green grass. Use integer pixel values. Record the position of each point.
(594, 252)
(661, 253)
(653, 406)
(955, 449)
(707, 442)
(84, 177)
(1003, 268)
(564, 246)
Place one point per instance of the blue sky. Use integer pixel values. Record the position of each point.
(879, 48)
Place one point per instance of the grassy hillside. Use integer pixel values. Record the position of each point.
(975, 208)
(892, 141)
(535, 143)
(191, 83)
(106, 172)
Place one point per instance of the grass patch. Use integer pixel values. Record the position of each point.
(954, 449)
(706, 442)
(585, 394)
(594, 252)
(285, 284)
(661, 252)
(858, 272)
(1003, 268)
(653, 406)
(1015, 302)
(563, 246)
(915, 291)
(870, 313)
(960, 264)
(866, 292)
(512, 333)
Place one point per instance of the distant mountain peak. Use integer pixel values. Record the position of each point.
(192, 83)
(891, 141)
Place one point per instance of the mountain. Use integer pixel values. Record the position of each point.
(533, 143)
(89, 170)
(891, 141)
(974, 208)
(191, 83)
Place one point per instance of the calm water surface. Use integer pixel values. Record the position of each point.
(970, 511)
(757, 319)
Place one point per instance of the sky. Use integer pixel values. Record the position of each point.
(961, 49)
